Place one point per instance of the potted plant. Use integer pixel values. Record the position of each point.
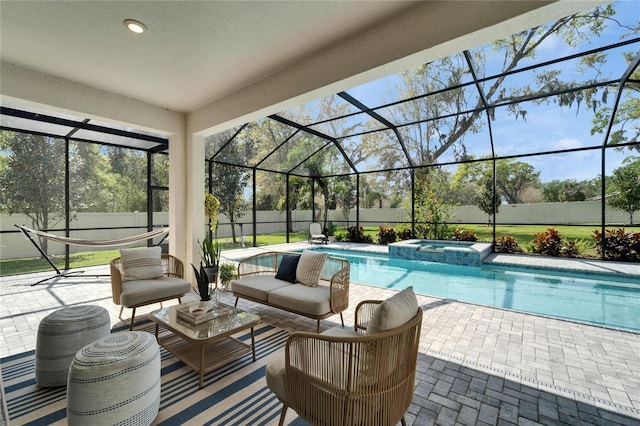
(210, 255)
(228, 272)
(202, 280)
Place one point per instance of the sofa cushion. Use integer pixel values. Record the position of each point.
(139, 292)
(258, 286)
(341, 332)
(310, 267)
(394, 312)
(141, 263)
(287, 268)
(301, 298)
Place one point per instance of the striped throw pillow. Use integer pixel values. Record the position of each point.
(310, 267)
(141, 263)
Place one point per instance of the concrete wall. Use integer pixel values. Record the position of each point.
(14, 245)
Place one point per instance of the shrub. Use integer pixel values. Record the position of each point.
(340, 234)
(404, 234)
(582, 245)
(507, 244)
(422, 231)
(464, 235)
(552, 243)
(569, 249)
(548, 243)
(330, 229)
(356, 234)
(386, 235)
(618, 245)
(433, 231)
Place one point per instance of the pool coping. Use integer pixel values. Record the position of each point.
(580, 265)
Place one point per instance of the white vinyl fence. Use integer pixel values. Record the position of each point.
(14, 245)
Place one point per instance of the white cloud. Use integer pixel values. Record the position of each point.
(566, 144)
(551, 43)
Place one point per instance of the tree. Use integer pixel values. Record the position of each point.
(626, 123)
(160, 177)
(344, 192)
(513, 178)
(570, 190)
(531, 194)
(431, 208)
(228, 182)
(127, 184)
(486, 199)
(427, 140)
(32, 181)
(626, 187)
(90, 179)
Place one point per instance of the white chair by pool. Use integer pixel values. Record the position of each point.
(315, 234)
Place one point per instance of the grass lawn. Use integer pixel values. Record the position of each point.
(84, 259)
(76, 260)
(523, 233)
(266, 239)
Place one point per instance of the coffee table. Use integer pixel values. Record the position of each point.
(209, 345)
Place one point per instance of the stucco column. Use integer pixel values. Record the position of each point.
(193, 208)
(178, 195)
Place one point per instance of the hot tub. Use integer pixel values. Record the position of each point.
(453, 252)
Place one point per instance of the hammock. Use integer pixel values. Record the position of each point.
(82, 242)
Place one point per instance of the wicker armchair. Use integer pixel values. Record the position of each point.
(132, 294)
(342, 377)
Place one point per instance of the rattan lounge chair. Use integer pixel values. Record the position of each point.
(135, 293)
(341, 377)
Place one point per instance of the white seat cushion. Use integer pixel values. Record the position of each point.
(140, 292)
(257, 286)
(298, 297)
(275, 376)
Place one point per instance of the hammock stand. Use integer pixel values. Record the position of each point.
(80, 242)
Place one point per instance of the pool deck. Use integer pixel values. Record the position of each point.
(477, 365)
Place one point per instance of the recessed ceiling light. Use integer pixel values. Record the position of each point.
(135, 26)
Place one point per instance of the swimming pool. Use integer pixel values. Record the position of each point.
(595, 299)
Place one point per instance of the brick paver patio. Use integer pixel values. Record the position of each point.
(477, 365)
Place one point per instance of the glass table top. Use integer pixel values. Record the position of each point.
(228, 321)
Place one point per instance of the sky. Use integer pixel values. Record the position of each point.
(547, 127)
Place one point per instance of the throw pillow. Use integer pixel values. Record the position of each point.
(310, 267)
(287, 269)
(141, 263)
(394, 312)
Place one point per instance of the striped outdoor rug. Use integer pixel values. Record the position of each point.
(234, 394)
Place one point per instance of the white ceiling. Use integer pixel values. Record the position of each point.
(193, 53)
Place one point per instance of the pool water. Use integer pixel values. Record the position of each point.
(596, 299)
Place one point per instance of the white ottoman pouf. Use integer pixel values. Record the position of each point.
(61, 334)
(115, 380)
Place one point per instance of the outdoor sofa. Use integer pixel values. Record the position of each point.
(310, 283)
